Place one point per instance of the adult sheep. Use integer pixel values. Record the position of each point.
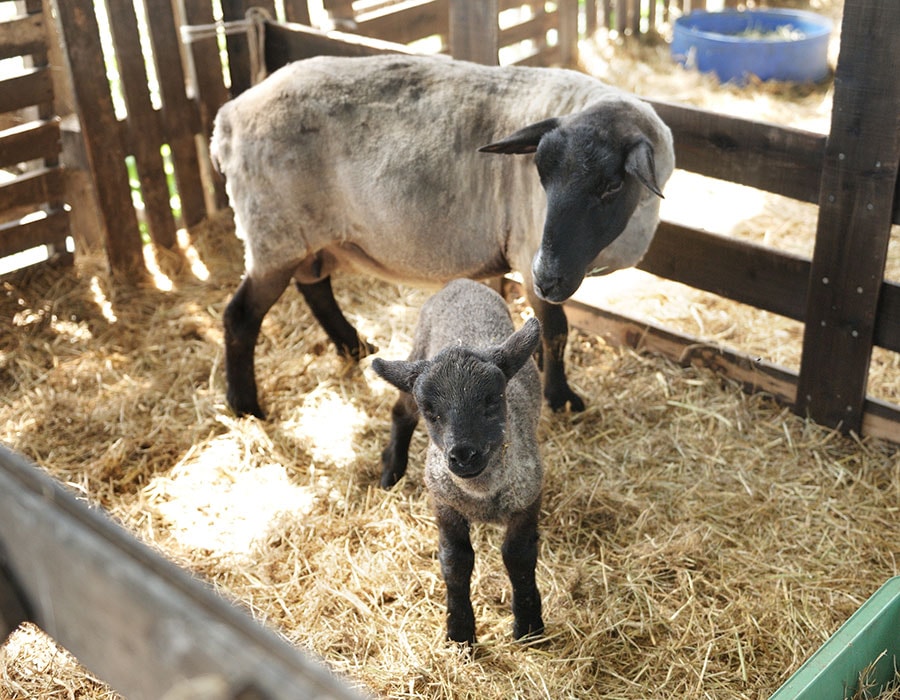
(379, 165)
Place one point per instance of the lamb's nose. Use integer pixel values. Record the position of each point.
(462, 455)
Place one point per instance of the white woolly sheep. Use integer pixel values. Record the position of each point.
(472, 379)
(373, 165)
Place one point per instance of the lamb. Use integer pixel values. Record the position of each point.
(379, 165)
(472, 379)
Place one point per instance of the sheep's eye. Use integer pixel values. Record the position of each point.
(611, 189)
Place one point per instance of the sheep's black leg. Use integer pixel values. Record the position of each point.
(457, 561)
(320, 298)
(242, 320)
(554, 334)
(520, 553)
(394, 458)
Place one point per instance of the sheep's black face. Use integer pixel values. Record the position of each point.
(590, 198)
(461, 397)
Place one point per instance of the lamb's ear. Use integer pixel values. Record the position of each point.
(639, 162)
(525, 140)
(518, 348)
(401, 373)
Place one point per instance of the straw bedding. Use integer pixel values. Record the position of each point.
(697, 542)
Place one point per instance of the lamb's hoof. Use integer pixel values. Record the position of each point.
(528, 632)
(246, 408)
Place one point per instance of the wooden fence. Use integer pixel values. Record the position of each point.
(32, 211)
(80, 577)
(636, 17)
(839, 294)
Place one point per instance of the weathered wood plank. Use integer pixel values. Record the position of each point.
(29, 141)
(98, 120)
(179, 115)
(51, 230)
(238, 48)
(131, 617)
(145, 138)
(32, 87)
(548, 56)
(772, 158)
(206, 78)
(33, 188)
(534, 28)
(473, 31)
(880, 419)
(293, 42)
(22, 36)
(296, 11)
(741, 271)
(855, 211)
(887, 319)
(407, 22)
(567, 31)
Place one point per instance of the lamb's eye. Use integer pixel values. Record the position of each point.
(611, 189)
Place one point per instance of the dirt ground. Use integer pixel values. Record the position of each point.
(697, 542)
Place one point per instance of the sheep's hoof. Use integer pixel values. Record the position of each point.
(528, 631)
(559, 400)
(242, 407)
(358, 351)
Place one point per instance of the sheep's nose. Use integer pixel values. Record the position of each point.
(464, 460)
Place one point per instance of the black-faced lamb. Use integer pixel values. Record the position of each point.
(473, 380)
(381, 165)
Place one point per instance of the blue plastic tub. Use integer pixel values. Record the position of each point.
(789, 45)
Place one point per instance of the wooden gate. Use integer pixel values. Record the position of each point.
(34, 224)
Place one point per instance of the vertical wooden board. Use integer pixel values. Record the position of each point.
(621, 16)
(474, 33)
(567, 18)
(296, 11)
(207, 78)
(855, 211)
(180, 118)
(78, 27)
(143, 126)
(238, 48)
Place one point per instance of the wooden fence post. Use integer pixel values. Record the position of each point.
(855, 211)
(474, 32)
(567, 11)
(78, 27)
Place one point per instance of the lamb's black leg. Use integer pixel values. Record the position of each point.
(394, 458)
(242, 320)
(457, 561)
(520, 552)
(554, 334)
(320, 298)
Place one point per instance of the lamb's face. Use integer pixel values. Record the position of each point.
(461, 397)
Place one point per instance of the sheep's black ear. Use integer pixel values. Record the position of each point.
(518, 348)
(525, 140)
(639, 162)
(401, 373)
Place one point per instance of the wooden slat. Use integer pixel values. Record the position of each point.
(206, 78)
(134, 619)
(296, 11)
(741, 271)
(773, 158)
(238, 48)
(407, 22)
(145, 138)
(546, 57)
(880, 419)
(180, 117)
(32, 87)
(293, 42)
(474, 31)
(567, 31)
(887, 323)
(855, 211)
(30, 141)
(33, 188)
(22, 36)
(52, 230)
(98, 120)
(534, 28)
